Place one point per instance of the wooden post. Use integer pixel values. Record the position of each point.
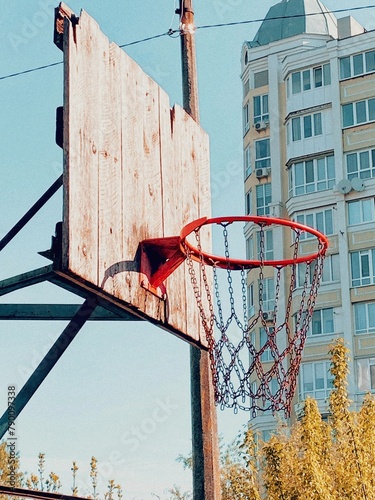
(206, 474)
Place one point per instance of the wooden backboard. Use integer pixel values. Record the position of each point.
(134, 169)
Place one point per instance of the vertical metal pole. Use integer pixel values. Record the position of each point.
(206, 474)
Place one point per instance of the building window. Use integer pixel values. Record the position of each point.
(361, 164)
(363, 267)
(322, 322)
(312, 175)
(262, 154)
(246, 118)
(267, 354)
(250, 300)
(355, 113)
(306, 126)
(267, 245)
(316, 380)
(249, 202)
(364, 317)
(331, 271)
(264, 199)
(260, 79)
(246, 87)
(267, 294)
(260, 105)
(358, 64)
(366, 374)
(321, 220)
(307, 79)
(361, 211)
(247, 161)
(250, 248)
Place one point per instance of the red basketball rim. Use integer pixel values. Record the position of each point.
(237, 264)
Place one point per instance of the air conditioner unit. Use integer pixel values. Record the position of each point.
(261, 172)
(260, 126)
(269, 315)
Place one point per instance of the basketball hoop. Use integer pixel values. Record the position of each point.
(255, 350)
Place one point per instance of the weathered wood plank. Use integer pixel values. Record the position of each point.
(110, 169)
(172, 208)
(82, 121)
(141, 176)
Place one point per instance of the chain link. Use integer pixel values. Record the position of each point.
(241, 379)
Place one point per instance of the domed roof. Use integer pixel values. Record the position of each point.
(294, 17)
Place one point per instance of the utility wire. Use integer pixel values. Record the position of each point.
(294, 16)
(171, 32)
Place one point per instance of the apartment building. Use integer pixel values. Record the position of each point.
(309, 155)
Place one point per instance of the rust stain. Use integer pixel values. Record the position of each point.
(155, 138)
(146, 147)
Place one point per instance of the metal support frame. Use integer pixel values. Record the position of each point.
(206, 482)
(47, 363)
(38, 495)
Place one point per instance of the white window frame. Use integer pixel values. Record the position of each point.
(360, 164)
(299, 126)
(353, 60)
(320, 384)
(266, 356)
(250, 247)
(364, 261)
(268, 244)
(262, 161)
(306, 79)
(366, 374)
(361, 211)
(246, 87)
(263, 114)
(246, 118)
(369, 110)
(322, 220)
(322, 322)
(250, 300)
(249, 202)
(247, 161)
(331, 271)
(266, 195)
(364, 318)
(268, 295)
(316, 174)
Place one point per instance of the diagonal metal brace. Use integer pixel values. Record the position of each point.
(47, 363)
(26, 279)
(31, 212)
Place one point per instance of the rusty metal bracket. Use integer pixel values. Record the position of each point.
(159, 258)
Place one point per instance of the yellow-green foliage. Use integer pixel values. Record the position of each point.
(5, 470)
(313, 460)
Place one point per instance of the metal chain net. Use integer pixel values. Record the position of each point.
(248, 374)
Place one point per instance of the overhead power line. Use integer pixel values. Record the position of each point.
(171, 32)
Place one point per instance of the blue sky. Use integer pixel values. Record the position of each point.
(121, 391)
